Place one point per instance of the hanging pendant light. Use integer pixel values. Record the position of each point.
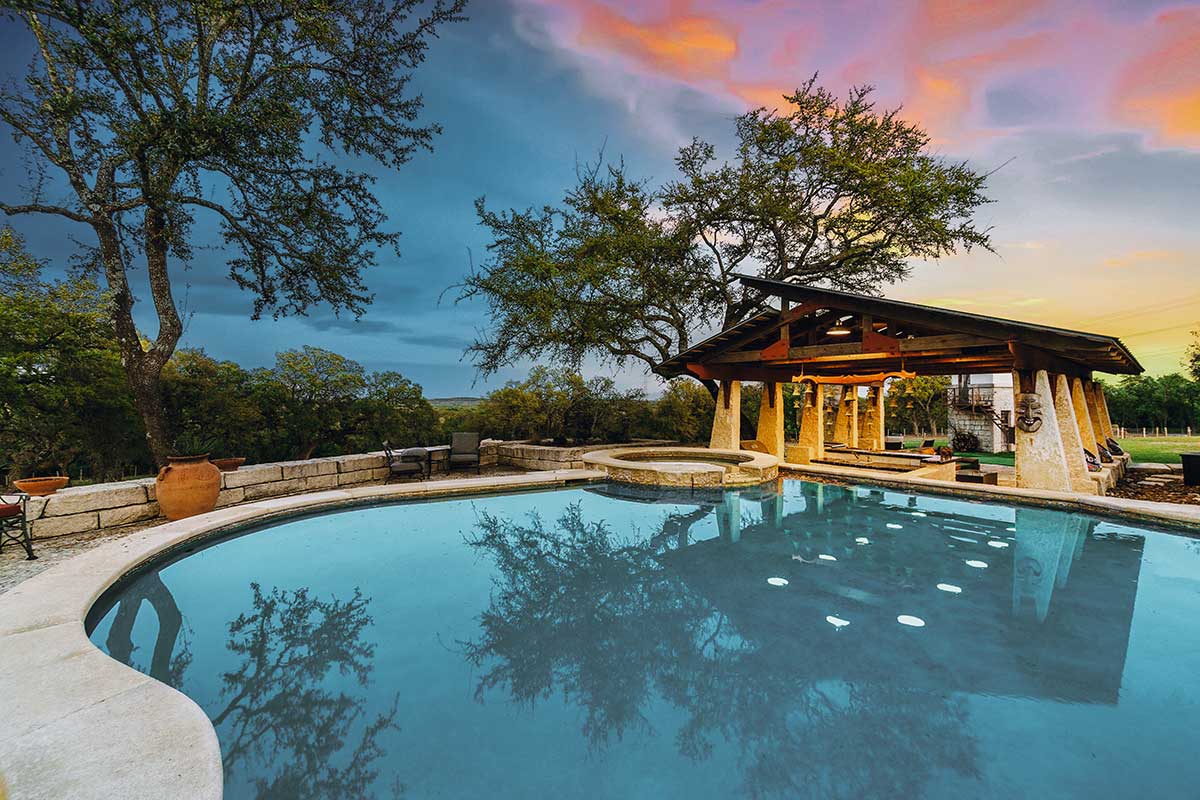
(839, 328)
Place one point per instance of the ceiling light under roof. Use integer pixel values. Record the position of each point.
(838, 330)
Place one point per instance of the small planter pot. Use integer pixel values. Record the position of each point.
(40, 487)
(187, 486)
(228, 464)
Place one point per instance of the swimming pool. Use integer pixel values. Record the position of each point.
(801, 641)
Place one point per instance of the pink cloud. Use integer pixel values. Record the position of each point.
(939, 58)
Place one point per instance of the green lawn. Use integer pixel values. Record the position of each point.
(1160, 449)
(1154, 449)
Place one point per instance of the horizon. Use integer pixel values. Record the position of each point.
(1096, 157)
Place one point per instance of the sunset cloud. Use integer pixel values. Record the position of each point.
(1159, 90)
(968, 70)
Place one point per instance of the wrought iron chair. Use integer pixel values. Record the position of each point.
(407, 462)
(464, 450)
(14, 522)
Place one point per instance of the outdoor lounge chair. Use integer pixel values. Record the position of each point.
(409, 462)
(464, 450)
(14, 522)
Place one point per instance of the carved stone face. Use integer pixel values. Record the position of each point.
(1029, 412)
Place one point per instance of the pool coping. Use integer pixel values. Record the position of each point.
(81, 724)
(57, 689)
(1170, 514)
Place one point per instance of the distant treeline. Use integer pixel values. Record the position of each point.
(1169, 401)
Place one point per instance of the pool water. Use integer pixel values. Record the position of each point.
(789, 640)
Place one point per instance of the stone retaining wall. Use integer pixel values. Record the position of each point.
(541, 457)
(81, 509)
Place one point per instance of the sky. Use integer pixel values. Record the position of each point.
(1088, 113)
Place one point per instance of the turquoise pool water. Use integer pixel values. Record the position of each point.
(802, 641)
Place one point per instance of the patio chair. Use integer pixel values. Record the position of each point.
(464, 450)
(408, 462)
(14, 523)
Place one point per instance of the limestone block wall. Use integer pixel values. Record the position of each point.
(80, 509)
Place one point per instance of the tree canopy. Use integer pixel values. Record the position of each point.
(1191, 359)
(825, 191)
(149, 113)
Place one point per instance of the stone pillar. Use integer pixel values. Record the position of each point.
(812, 425)
(1089, 396)
(770, 418)
(1041, 460)
(1069, 429)
(1102, 404)
(845, 425)
(1096, 408)
(727, 418)
(1087, 433)
(872, 435)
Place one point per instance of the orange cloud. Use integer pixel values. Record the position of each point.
(1160, 90)
(681, 43)
(938, 21)
(1135, 257)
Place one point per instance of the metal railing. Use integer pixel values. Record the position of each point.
(970, 396)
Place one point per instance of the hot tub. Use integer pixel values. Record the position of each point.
(685, 466)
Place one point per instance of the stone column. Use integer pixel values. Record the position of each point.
(1096, 408)
(812, 425)
(1089, 396)
(1087, 433)
(1041, 460)
(727, 418)
(1072, 444)
(845, 425)
(770, 418)
(1102, 403)
(872, 434)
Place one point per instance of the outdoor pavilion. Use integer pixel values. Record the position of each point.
(827, 339)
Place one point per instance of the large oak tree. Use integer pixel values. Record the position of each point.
(150, 112)
(825, 191)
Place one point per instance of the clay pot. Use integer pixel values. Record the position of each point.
(228, 464)
(40, 487)
(187, 486)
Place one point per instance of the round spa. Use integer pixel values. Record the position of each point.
(684, 466)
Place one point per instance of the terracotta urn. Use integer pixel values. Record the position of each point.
(228, 464)
(40, 487)
(187, 486)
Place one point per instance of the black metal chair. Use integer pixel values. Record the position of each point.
(408, 462)
(14, 522)
(464, 450)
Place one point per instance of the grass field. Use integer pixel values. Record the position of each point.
(1160, 449)
(1154, 449)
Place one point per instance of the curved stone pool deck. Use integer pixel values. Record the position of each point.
(81, 725)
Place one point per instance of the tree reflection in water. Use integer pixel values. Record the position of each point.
(277, 716)
(602, 621)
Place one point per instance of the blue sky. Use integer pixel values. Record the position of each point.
(1096, 204)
